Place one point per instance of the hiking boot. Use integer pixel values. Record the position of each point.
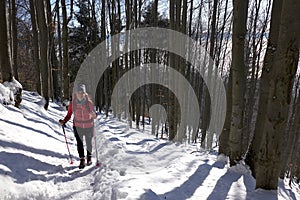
(82, 163)
(89, 160)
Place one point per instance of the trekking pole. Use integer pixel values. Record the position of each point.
(63, 127)
(95, 139)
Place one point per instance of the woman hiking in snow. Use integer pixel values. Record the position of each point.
(83, 123)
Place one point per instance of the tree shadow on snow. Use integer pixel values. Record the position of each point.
(225, 182)
(39, 121)
(188, 188)
(29, 128)
(24, 168)
(288, 192)
(31, 149)
(46, 124)
(282, 191)
(141, 142)
(59, 133)
(155, 149)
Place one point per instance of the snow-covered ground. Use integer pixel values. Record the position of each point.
(34, 163)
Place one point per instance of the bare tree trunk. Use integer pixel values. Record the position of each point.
(137, 63)
(238, 79)
(284, 69)
(197, 80)
(211, 63)
(36, 48)
(181, 23)
(53, 62)
(153, 59)
(291, 134)
(205, 106)
(224, 137)
(171, 105)
(219, 50)
(14, 38)
(43, 35)
(250, 71)
(5, 65)
(106, 78)
(65, 57)
(59, 42)
(252, 154)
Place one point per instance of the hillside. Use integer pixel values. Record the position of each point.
(34, 163)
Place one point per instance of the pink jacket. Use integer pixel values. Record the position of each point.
(81, 113)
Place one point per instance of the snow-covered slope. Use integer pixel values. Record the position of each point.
(34, 163)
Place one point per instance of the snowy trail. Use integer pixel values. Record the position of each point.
(78, 185)
(33, 155)
(134, 165)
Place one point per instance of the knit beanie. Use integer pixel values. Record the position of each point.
(81, 88)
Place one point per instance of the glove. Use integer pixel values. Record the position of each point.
(62, 122)
(93, 115)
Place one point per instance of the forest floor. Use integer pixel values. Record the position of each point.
(34, 163)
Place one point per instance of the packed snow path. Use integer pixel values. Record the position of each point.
(34, 163)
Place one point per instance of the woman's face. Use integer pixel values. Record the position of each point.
(79, 95)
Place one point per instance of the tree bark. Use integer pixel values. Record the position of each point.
(59, 42)
(252, 154)
(238, 78)
(224, 137)
(65, 57)
(43, 35)
(279, 98)
(36, 49)
(291, 134)
(171, 103)
(14, 38)
(5, 65)
(106, 78)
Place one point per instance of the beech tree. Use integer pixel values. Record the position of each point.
(252, 155)
(286, 58)
(238, 78)
(43, 49)
(5, 64)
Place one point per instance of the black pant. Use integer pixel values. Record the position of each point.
(88, 133)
